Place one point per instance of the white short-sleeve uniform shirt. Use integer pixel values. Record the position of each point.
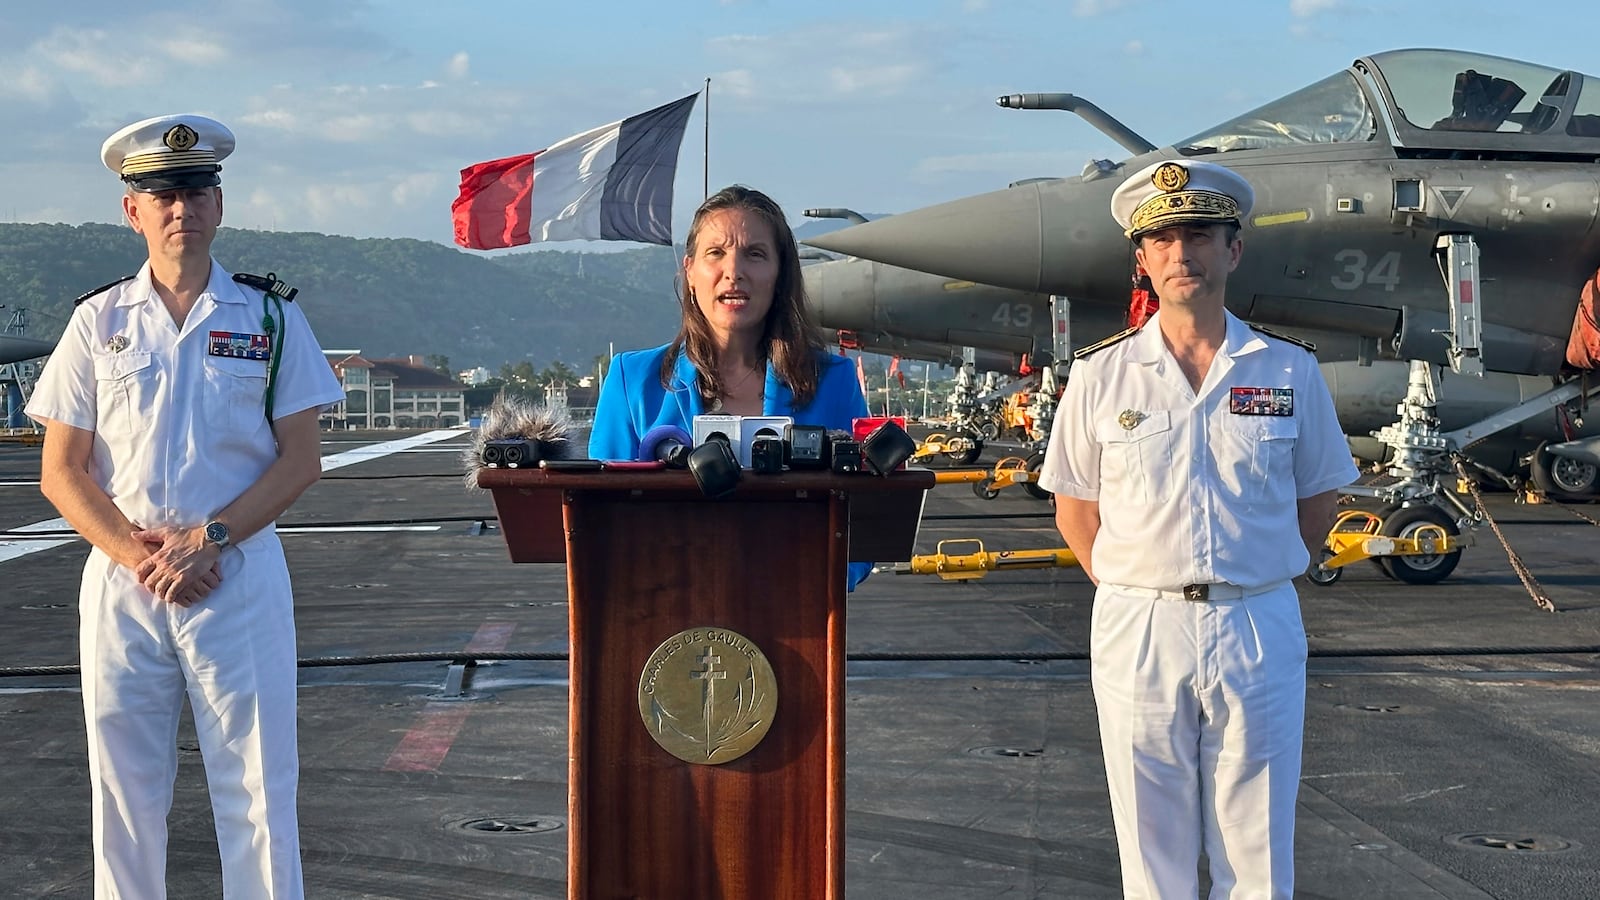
(1197, 488)
(179, 415)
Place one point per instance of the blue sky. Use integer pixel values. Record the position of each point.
(354, 117)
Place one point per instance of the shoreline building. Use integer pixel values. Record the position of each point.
(393, 393)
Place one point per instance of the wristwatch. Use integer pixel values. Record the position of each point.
(217, 533)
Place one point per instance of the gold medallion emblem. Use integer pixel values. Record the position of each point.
(1169, 177)
(1130, 419)
(707, 695)
(117, 344)
(180, 137)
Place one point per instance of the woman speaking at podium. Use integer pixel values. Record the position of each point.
(746, 345)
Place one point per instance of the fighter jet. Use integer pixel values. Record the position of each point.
(15, 348)
(1357, 177)
(1438, 206)
(19, 349)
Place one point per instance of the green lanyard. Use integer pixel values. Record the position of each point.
(274, 330)
(273, 293)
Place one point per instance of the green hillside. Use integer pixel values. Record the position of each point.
(386, 297)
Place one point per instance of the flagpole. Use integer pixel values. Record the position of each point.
(705, 159)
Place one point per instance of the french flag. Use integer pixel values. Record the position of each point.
(613, 183)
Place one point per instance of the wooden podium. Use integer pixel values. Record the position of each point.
(649, 558)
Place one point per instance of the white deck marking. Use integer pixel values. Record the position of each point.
(16, 548)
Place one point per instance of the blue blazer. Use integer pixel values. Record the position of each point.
(633, 401)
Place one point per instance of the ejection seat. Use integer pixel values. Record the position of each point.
(1480, 102)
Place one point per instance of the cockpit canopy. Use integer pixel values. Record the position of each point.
(1428, 99)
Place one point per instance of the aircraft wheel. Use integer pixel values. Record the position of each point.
(970, 455)
(989, 429)
(985, 489)
(1035, 463)
(1318, 573)
(1406, 522)
(1562, 478)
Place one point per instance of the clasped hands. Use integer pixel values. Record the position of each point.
(181, 567)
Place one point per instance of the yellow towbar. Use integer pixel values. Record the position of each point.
(987, 484)
(959, 448)
(1358, 535)
(968, 566)
(961, 476)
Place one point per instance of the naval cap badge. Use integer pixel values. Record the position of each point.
(1129, 419)
(1169, 177)
(180, 137)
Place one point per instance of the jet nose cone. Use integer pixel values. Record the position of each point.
(1054, 236)
(18, 349)
(995, 238)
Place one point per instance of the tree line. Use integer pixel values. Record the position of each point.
(387, 297)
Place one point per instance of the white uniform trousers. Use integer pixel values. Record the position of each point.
(234, 654)
(1202, 709)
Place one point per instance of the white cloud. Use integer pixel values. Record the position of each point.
(412, 188)
(29, 84)
(459, 65)
(736, 82)
(96, 54)
(1302, 9)
(193, 49)
(857, 62)
(878, 80)
(1088, 8)
(1133, 48)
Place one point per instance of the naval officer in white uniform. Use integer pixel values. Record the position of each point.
(180, 410)
(1195, 463)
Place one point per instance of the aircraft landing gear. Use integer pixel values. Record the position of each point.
(1425, 525)
(1562, 477)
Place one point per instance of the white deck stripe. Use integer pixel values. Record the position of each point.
(18, 548)
(14, 548)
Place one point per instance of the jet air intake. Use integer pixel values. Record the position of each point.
(1423, 334)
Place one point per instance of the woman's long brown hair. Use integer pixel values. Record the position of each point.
(789, 340)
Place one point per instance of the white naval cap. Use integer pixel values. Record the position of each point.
(1178, 192)
(169, 153)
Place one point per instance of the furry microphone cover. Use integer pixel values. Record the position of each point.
(512, 416)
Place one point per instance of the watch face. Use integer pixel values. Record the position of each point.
(216, 532)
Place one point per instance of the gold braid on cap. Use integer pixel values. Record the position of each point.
(1179, 207)
(164, 161)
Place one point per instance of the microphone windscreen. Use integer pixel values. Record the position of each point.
(664, 443)
(514, 416)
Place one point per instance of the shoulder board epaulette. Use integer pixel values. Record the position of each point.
(267, 284)
(1120, 336)
(101, 289)
(1298, 342)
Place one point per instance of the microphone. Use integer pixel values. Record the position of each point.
(666, 443)
(517, 433)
